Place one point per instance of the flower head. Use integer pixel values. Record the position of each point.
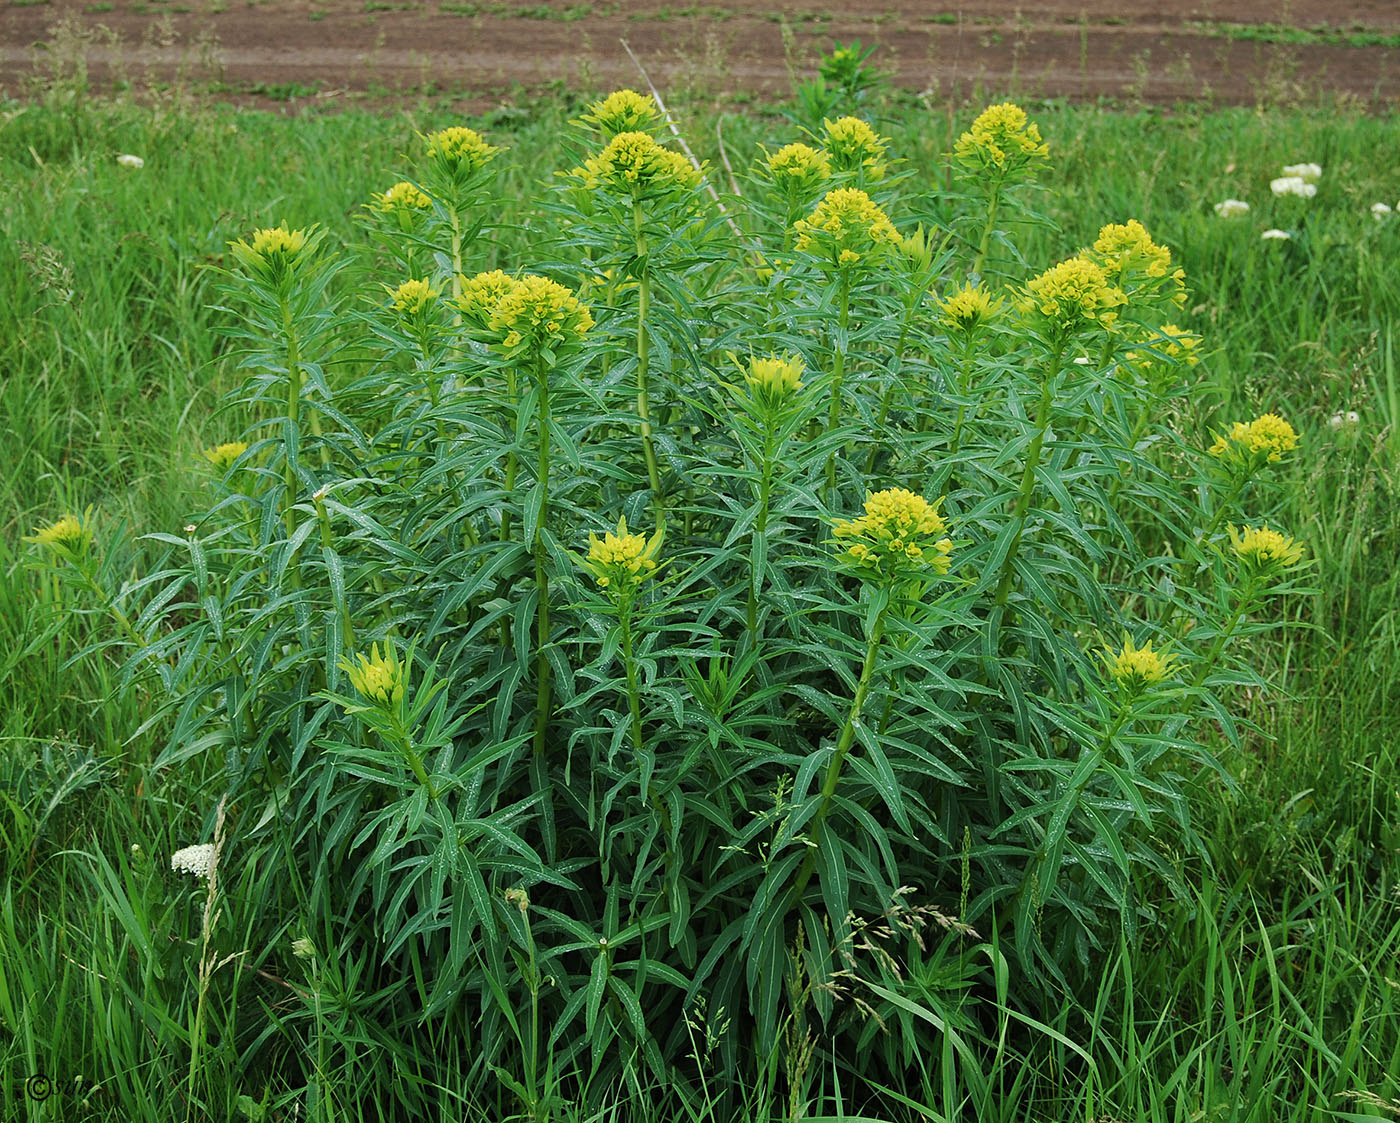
(193, 859)
(1074, 294)
(773, 379)
(1380, 210)
(127, 160)
(1262, 549)
(412, 297)
(478, 297)
(378, 678)
(1344, 419)
(846, 229)
(223, 456)
(855, 147)
(1293, 185)
(900, 535)
(622, 111)
(1276, 235)
(1134, 669)
(1136, 264)
(276, 255)
(69, 535)
(798, 169)
(1254, 443)
(1308, 173)
(620, 561)
(968, 309)
(401, 198)
(635, 165)
(539, 314)
(1001, 141)
(459, 153)
(1232, 208)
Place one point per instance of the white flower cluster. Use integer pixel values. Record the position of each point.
(127, 160)
(1346, 419)
(193, 859)
(1293, 185)
(1380, 210)
(1308, 173)
(1276, 236)
(1231, 208)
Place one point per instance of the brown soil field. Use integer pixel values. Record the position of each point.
(340, 51)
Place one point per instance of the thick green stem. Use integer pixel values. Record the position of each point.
(1023, 498)
(992, 205)
(643, 359)
(760, 525)
(634, 702)
(511, 407)
(542, 669)
(838, 372)
(843, 746)
(964, 381)
(1247, 602)
(289, 474)
(910, 306)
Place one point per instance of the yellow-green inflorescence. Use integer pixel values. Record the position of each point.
(224, 456)
(623, 111)
(620, 561)
(412, 297)
(401, 198)
(1001, 141)
(459, 153)
(477, 299)
(1264, 550)
(1073, 295)
(1137, 265)
(855, 147)
(901, 535)
(539, 314)
(69, 535)
(799, 169)
(1136, 668)
(773, 379)
(1254, 443)
(275, 254)
(377, 677)
(634, 165)
(967, 310)
(846, 229)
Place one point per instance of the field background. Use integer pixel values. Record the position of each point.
(1279, 996)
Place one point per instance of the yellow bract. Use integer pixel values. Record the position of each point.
(1262, 548)
(1001, 140)
(1268, 436)
(968, 309)
(774, 378)
(846, 228)
(622, 111)
(538, 312)
(401, 197)
(412, 297)
(854, 145)
(1136, 264)
(377, 677)
(635, 164)
(223, 456)
(1135, 668)
(620, 562)
(900, 534)
(460, 150)
(1073, 294)
(798, 166)
(479, 295)
(279, 240)
(70, 533)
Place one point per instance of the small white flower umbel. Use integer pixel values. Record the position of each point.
(1308, 173)
(1232, 208)
(1293, 185)
(127, 160)
(193, 859)
(1380, 210)
(1276, 236)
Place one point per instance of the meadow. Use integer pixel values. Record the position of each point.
(707, 814)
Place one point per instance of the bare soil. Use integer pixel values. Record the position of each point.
(325, 51)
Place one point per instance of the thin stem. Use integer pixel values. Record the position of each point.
(542, 668)
(289, 474)
(760, 524)
(909, 307)
(633, 700)
(643, 359)
(838, 372)
(992, 206)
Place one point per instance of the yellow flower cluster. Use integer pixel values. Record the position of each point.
(1174, 343)
(1074, 293)
(899, 534)
(773, 379)
(799, 168)
(538, 314)
(70, 534)
(412, 297)
(1268, 436)
(1001, 140)
(1137, 264)
(275, 254)
(620, 562)
(459, 151)
(1263, 549)
(403, 196)
(854, 146)
(846, 228)
(634, 164)
(479, 295)
(377, 677)
(622, 111)
(279, 240)
(968, 309)
(223, 456)
(1136, 668)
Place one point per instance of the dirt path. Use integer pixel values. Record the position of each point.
(1139, 50)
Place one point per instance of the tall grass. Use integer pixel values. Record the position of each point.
(1275, 994)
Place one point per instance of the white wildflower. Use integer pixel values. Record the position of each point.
(1231, 208)
(1344, 419)
(1293, 185)
(303, 948)
(127, 160)
(1276, 236)
(1308, 173)
(193, 859)
(1380, 210)
(1083, 361)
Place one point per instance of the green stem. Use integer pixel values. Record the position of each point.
(964, 379)
(542, 669)
(1247, 602)
(643, 359)
(512, 406)
(1023, 499)
(909, 308)
(993, 204)
(289, 475)
(633, 700)
(838, 372)
(843, 746)
(760, 525)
